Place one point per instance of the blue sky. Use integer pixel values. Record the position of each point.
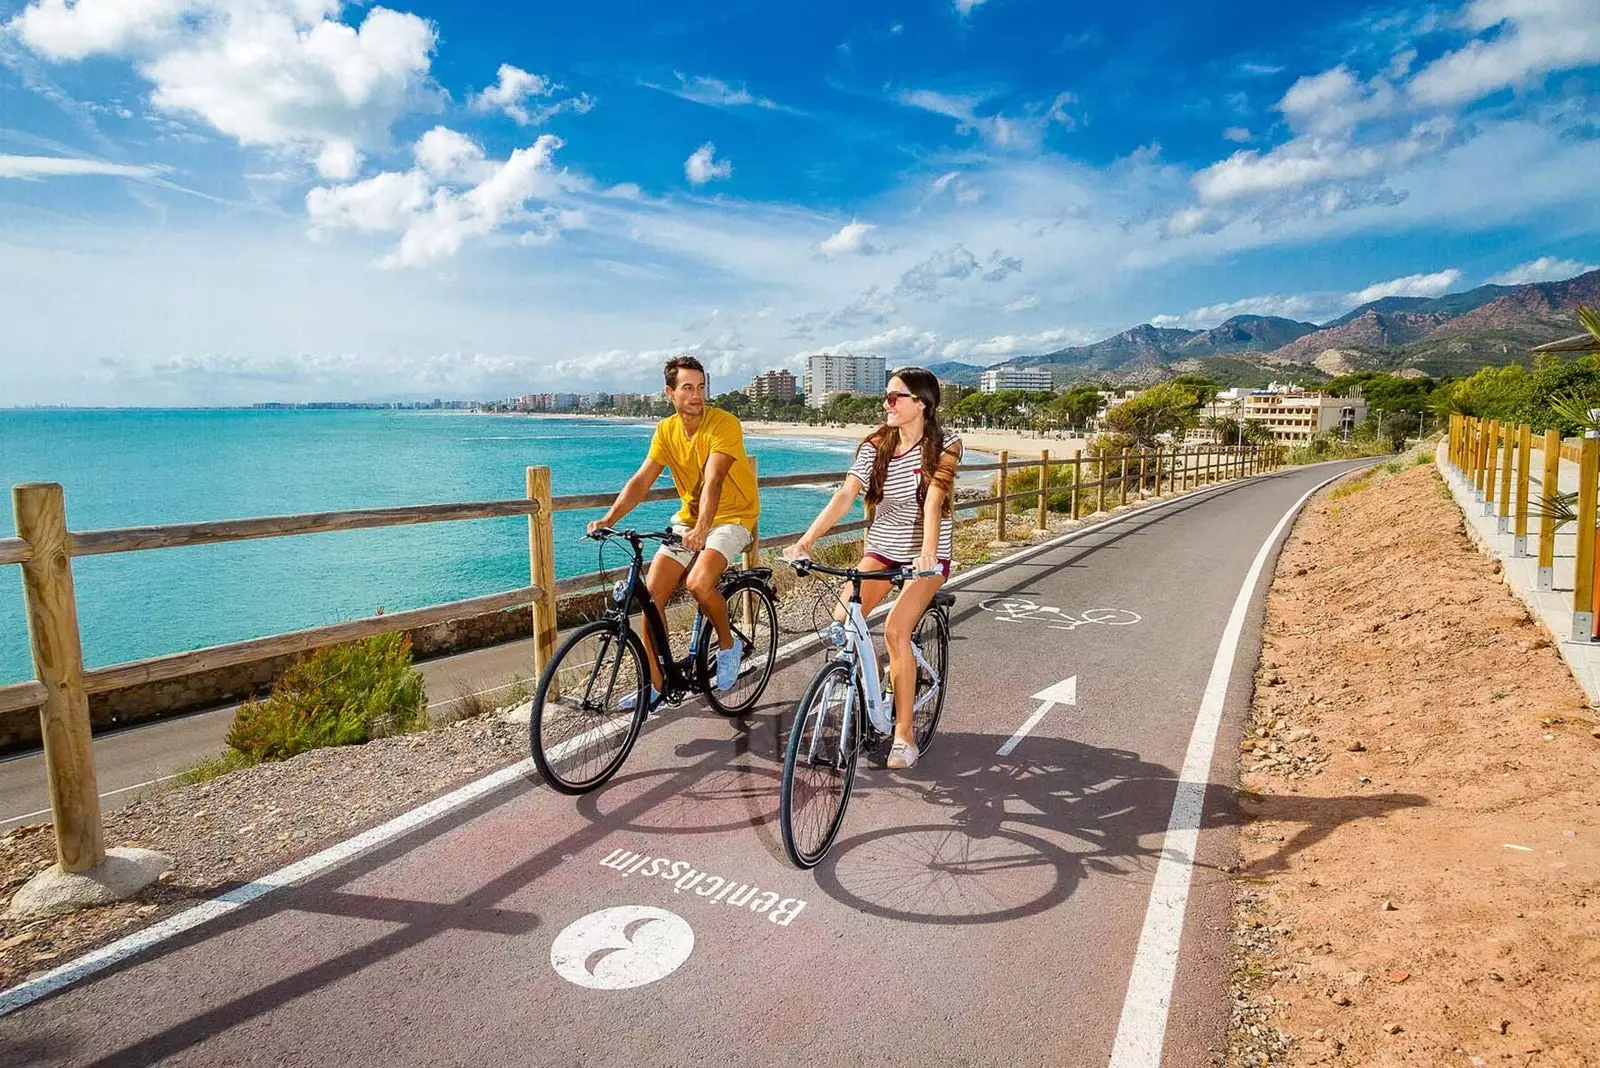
(225, 201)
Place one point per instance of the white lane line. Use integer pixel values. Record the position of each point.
(26, 993)
(108, 793)
(1143, 1027)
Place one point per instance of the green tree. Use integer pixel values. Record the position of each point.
(1165, 409)
(1203, 388)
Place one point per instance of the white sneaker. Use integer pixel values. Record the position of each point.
(902, 755)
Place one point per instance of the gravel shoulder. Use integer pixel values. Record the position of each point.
(1420, 877)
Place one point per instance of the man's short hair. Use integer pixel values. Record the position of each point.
(679, 363)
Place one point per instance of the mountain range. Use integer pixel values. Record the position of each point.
(1453, 334)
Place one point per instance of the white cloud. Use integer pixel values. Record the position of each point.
(1543, 269)
(1024, 134)
(1021, 304)
(955, 264)
(280, 74)
(714, 92)
(967, 7)
(1237, 134)
(35, 167)
(431, 211)
(1412, 285)
(1526, 40)
(702, 166)
(851, 239)
(515, 88)
(1288, 307)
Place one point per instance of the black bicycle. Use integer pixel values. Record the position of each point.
(593, 696)
(844, 712)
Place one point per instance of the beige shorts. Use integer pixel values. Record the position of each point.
(729, 539)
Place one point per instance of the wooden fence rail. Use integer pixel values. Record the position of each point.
(44, 547)
(1495, 461)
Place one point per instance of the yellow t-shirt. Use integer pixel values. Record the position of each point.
(686, 458)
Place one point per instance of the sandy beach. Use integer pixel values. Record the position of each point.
(1026, 445)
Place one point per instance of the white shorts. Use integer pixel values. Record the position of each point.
(729, 539)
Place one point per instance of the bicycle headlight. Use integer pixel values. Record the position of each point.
(619, 591)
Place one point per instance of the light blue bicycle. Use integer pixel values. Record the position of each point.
(845, 711)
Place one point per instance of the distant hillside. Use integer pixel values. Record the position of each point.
(964, 374)
(1450, 335)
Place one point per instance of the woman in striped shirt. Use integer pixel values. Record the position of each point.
(907, 468)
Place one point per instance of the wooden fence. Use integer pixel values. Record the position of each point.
(44, 547)
(1496, 460)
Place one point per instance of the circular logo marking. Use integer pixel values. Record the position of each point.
(622, 947)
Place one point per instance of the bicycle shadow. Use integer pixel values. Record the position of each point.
(997, 839)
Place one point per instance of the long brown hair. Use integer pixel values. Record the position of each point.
(924, 385)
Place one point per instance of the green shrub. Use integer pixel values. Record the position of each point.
(343, 695)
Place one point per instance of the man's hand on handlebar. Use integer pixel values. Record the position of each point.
(695, 540)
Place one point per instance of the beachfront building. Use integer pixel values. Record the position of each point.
(1295, 416)
(779, 385)
(828, 375)
(1032, 379)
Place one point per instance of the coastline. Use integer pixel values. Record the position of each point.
(1020, 444)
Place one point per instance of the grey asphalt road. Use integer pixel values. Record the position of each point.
(129, 762)
(981, 909)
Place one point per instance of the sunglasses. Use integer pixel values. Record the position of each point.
(894, 397)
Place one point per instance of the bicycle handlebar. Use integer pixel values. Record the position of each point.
(665, 537)
(805, 566)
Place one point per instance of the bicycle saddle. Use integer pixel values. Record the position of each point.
(945, 599)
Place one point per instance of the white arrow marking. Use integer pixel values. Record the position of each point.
(1064, 692)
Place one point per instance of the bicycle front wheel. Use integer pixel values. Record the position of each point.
(818, 770)
(932, 639)
(589, 707)
(754, 619)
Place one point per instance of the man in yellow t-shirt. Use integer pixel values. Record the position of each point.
(703, 447)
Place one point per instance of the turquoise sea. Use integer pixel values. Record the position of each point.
(124, 468)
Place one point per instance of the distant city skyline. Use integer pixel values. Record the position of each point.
(220, 202)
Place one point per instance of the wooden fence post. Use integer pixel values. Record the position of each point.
(1100, 483)
(1077, 479)
(52, 608)
(1043, 521)
(1122, 482)
(1482, 458)
(1544, 578)
(1524, 456)
(1172, 471)
(1583, 566)
(1000, 509)
(1144, 459)
(542, 568)
(1503, 526)
(752, 552)
(1491, 467)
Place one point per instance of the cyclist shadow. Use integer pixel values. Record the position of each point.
(996, 838)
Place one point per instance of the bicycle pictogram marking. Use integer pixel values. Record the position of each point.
(1024, 610)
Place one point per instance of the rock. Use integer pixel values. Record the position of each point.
(1399, 975)
(123, 873)
(1390, 906)
(1342, 1000)
(1355, 746)
(1318, 1035)
(1394, 1029)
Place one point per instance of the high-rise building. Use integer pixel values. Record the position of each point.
(828, 375)
(779, 385)
(1034, 379)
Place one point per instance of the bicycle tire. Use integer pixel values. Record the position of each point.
(935, 645)
(808, 854)
(745, 692)
(545, 757)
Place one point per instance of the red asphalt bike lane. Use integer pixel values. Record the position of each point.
(979, 909)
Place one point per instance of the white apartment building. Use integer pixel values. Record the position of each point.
(1033, 379)
(828, 375)
(1295, 417)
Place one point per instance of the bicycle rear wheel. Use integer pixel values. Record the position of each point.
(754, 619)
(932, 638)
(817, 772)
(589, 707)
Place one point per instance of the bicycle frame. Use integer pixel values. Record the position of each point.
(631, 592)
(861, 653)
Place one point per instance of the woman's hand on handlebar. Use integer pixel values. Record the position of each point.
(800, 550)
(926, 566)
